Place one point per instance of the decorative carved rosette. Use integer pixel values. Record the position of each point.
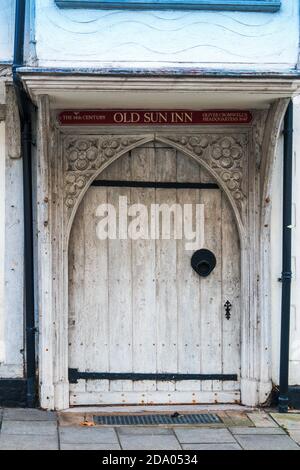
(84, 156)
(226, 158)
(226, 155)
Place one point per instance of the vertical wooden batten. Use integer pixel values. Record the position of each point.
(45, 267)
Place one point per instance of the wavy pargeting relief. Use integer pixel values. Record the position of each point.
(202, 37)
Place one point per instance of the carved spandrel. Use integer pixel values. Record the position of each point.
(225, 154)
(84, 156)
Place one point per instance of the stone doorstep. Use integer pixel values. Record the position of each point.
(229, 419)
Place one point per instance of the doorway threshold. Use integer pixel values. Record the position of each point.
(109, 409)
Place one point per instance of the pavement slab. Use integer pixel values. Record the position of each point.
(257, 431)
(36, 428)
(83, 435)
(25, 414)
(28, 442)
(260, 419)
(229, 446)
(140, 431)
(295, 435)
(203, 436)
(266, 442)
(287, 420)
(147, 442)
(90, 447)
(71, 419)
(25, 429)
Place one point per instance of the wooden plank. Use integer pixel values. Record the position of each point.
(231, 292)
(188, 291)
(151, 398)
(120, 287)
(211, 333)
(119, 170)
(96, 291)
(143, 275)
(3, 338)
(77, 312)
(166, 275)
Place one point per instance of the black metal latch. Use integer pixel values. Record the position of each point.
(228, 307)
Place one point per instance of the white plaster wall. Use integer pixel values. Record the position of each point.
(7, 12)
(276, 243)
(11, 260)
(12, 365)
(114, 38)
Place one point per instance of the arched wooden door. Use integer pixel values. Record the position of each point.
(138, 307)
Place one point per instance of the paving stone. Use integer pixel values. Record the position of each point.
(90, 447)
(70, 419)
(238, 419)
(295, 435)
(38, 428)
(157, 442)
(229, 446)
(203, 436)
(25, 414)
(26, 442)
(82, 435)
(287, 420)
(257, 431)
(141, 431)
(266, 442)
(262, 420)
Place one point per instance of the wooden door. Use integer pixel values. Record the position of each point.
(138, 307)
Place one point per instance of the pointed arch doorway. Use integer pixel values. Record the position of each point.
(144, 327)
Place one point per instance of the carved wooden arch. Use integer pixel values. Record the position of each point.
(223, 156)
(69, 162)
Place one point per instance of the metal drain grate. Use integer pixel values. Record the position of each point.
(156, 419)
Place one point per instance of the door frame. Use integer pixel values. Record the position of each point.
(62, 182)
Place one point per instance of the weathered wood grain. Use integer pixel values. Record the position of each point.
(138, 305)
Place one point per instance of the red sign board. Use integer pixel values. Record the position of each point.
(137, 117)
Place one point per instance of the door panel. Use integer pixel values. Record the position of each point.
(138, 306)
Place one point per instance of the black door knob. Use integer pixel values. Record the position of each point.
(203, 262)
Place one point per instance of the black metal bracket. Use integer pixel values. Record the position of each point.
(75, 375)
(286, 276)
(228, 307)
(154, 184)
